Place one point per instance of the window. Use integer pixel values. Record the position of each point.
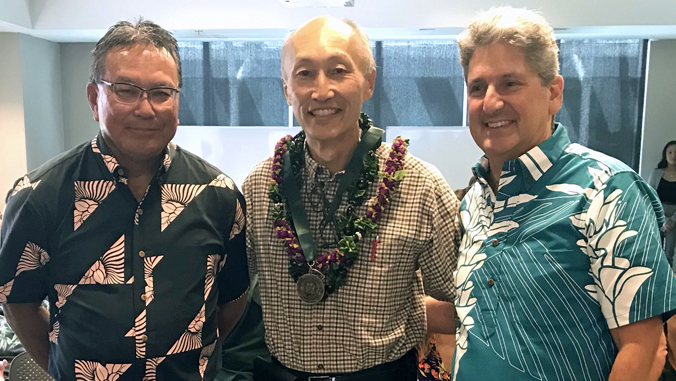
(420, 83)
(604, 82)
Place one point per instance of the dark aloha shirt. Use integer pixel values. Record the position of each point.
(133, 287)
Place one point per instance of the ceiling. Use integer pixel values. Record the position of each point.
(87, 20)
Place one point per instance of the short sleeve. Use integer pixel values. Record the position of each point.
(632, 278)
(439, 260)
(24, 251)
(233, 278)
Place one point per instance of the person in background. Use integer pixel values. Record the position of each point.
(663, 179)
(341, 252)
(560, 275)
(138, 245)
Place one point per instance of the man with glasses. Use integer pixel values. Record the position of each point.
(138, 245)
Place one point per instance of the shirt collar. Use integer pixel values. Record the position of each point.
(537, 161)
(120, 173)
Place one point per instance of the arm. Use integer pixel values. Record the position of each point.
(229, 314)
(440, 316)
(445, 347)
(638, 345)
(30, 322)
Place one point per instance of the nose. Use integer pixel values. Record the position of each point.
(492, 100)
(323, 89)
(144, 108)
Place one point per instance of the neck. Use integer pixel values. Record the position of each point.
(495, 170)
(336, 153)
(670, 167)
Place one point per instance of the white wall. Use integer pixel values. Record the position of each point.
(660, 124)
(78, 120)
(43, 118)
(12, 133)
(227, 15)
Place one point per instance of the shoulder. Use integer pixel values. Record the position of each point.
(259, 176)
(581, 155)
(424, 173)
(195, 164)
(52, 173)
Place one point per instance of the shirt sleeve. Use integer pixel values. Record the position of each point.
(439, 260)
(632, 278)
(24, 251)
(233, 279)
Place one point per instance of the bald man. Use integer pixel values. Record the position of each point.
(338, 248)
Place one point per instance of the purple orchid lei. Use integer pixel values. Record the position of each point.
(335, 262)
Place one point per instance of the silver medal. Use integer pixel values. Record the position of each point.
(310, 287)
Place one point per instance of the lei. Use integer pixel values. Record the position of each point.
(335, 263)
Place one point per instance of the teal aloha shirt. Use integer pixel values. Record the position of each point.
(567, 250)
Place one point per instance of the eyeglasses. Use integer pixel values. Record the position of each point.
(130, 94)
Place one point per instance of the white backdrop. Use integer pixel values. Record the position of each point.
(235, 150)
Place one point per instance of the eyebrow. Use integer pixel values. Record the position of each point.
(334, 57)
(154, 85)
(501, 76)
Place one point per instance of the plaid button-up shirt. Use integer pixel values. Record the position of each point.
(379, 314)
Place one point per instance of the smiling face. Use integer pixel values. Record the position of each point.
(139, 131)
(510, 111)
(324, 80)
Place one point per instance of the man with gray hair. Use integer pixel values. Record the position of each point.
(138, 245)
(337, 247)
(560, 274)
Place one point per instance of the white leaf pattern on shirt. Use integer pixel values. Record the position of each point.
(33, 256)
(24, 184)
(174, 199)
(205, 355)
(223, 181)
(88, 196)
(192, 337)
(93, 371)
(151, 368)
(109, 269)
(5, 290)
(238, 223)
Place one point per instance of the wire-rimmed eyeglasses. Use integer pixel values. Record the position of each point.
(130, 94)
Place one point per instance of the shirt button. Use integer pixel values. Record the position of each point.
(320, 327)
(320, 366)
(140, 212)
(495, 242)
(120, 171)
(490, 282)
(141, 253)
(143, 297)
(144, 338)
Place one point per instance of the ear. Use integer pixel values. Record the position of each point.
(286, 92)
(93, 98)
(555, 95)
(371, 79)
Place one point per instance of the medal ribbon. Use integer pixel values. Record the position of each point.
(300, 221)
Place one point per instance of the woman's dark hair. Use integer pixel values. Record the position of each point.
(663, 164)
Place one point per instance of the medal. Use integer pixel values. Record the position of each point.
(310, 287)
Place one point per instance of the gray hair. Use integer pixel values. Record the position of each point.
(125, 34)
(521, 28)
(366, 53)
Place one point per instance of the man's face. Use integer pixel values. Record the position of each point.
(509, 110)
(325, 83)
(139, 131)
